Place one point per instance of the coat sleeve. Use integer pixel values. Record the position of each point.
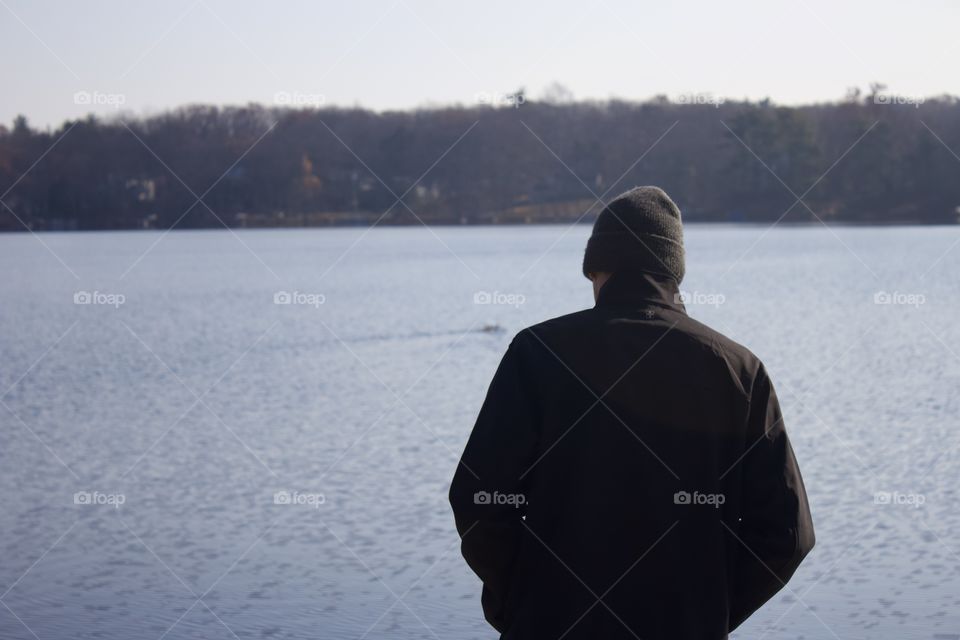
(775, 529)
(487, 493)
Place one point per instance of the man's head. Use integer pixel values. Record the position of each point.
(641, 230)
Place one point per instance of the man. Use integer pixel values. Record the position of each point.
(629, 475)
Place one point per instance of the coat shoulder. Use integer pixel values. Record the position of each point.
(566, 322)
(562, 327)
(744, 365)
(687, 333)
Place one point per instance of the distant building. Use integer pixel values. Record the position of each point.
(144, 190)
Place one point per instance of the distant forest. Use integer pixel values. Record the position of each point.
(870, 158)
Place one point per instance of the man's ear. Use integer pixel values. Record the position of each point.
(598, 279)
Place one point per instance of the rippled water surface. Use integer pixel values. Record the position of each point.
(194, 399)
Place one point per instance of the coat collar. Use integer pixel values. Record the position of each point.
(638, 288)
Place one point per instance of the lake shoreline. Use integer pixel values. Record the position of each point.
(540, 223)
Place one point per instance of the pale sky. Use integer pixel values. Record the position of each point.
(407, 53)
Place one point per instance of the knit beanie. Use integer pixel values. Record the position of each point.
(639, 229)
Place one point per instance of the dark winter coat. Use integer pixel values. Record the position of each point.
(629, 476)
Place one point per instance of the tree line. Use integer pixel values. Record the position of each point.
(870, 158)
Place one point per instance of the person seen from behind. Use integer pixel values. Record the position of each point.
(629, 474)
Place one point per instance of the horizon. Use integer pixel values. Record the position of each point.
(690, 99)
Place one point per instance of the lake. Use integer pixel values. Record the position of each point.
(215, 434)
